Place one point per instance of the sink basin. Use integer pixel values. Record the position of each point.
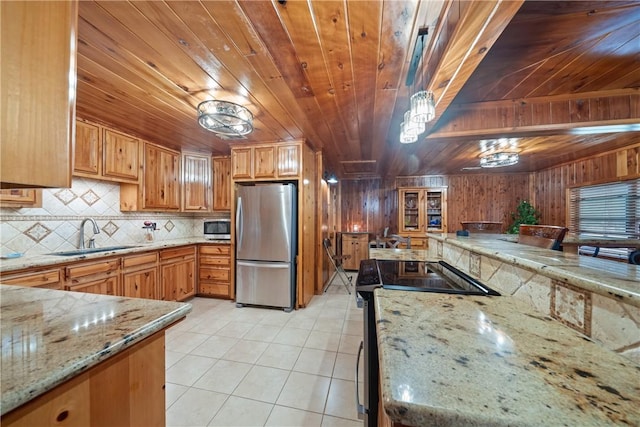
(92, 250)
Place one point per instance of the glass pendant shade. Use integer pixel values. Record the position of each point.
(495, 160)
(225, 118)
(411, 126)
(423, 107)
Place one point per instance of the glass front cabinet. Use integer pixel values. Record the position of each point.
(422, 210)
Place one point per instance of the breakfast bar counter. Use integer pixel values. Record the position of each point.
(451, 360)
(50, 337)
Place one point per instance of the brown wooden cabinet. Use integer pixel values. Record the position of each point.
(196, 182)
(222, 183)
(160, 189)
(420, 211)
(266, 161)
(105, 154)
(99, 277)
(178, 273)
(132, 381)
(214, 273)
(140, 276)
(37, 126)
(49, 278)
(357, 246)
(16, 198)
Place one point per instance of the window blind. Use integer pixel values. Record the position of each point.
(606, 210)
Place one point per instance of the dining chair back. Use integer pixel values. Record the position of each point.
(542, 236)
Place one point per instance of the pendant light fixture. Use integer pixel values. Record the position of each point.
(224, 118)
(423, 107)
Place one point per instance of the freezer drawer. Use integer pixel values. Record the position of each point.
(264, 283)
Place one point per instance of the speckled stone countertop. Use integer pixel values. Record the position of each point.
(50, 336)
(597, 275)
(451, 360)
(43, 260)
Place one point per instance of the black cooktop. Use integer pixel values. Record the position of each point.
(423, 276)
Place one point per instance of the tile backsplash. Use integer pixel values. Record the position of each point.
(55, 226)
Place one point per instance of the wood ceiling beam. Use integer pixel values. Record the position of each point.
(478, 26)
(536, 116)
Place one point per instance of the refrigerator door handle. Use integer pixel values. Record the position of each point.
(262, 264)
(239, 223)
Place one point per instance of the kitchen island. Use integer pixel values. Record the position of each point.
(76, 357)
(451, 360)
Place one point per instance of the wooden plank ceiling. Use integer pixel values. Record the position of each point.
(334, 73)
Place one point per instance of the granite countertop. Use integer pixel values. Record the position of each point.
(597, 275)
(50, 336)
(43, 260)
(451, 360)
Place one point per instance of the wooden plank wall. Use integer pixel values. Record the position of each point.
(485, 197)
(550, 185)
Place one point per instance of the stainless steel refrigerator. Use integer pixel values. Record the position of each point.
(266, 245)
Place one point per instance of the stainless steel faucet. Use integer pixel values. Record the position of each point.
(96, 230)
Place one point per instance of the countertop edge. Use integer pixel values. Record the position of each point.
(12, 400)
(554, 272)
(46, 259)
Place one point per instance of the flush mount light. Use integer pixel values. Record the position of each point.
(225, 118)
(496, 160)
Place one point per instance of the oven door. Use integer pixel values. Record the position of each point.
(368, 353)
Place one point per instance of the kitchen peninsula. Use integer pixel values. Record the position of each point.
(75, 356)
(452, 360)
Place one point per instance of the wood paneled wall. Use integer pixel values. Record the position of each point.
(372, 204)
(549, 186)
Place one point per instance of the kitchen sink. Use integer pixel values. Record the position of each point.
(92, 250)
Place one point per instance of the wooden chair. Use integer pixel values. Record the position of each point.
(394, 240)
(493, 227)
(542, 236)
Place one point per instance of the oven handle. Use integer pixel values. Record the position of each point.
(359, 406)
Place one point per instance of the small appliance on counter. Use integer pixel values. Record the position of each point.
(217, 229)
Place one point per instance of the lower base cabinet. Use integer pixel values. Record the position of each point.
(140, 276)
(97, 277)
(214, 273)
(125, 390)
(178, 273)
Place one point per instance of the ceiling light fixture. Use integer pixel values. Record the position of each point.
(496, 160)
(225, 118)
(423, 107)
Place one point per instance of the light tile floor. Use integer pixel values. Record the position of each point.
(250, 366)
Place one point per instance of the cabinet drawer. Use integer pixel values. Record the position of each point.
(47, 278)
(88, 269)
(215, 250)
(220, 274)
(215, 261)
(189, 251)
(139, 260)
(214, 289)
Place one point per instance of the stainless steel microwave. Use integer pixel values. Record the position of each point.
(217, 229)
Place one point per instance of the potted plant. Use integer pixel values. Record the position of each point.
(525, 214)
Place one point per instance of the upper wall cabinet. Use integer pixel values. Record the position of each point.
(160, 189)
(222, 183)
(38, 91)
(196, 182)
(266, 161)
(105, 154)
(21, 198)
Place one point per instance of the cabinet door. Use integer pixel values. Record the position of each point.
(264, 165)
(21, 198)
(221, 183)
(161, 185)
(141, 284)
(411, 210)
(196, 182)
(178, 280)
(121, 156)
(39, 42)
(434, 206)
(288, 163)
(88, 152)
(242, 163)
(103, 286)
